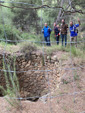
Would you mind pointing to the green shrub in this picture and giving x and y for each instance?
(12, 86)
(27, 49)
(65, 81)
(76, 77)
(76, 52)
(30, 36)
(24, 36)
(52, 36)
(73, 51)
(11, 32)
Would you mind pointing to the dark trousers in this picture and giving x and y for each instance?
(57, 39)
(47, 40)
(64, 37)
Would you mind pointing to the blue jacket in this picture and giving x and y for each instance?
(46, 31)
(72, 30)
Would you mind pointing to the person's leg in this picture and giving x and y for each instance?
(48, 41)
(57, 40)
(76, 41)
(62, 37)
(72, 40)
(65, 36)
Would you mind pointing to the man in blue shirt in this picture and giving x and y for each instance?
(47, 31)
(74, 32)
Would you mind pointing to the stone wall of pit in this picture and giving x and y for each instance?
(31, 72)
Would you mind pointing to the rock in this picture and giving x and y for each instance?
(28, 64)
(55, 58)
(44, 98)
(48, 57)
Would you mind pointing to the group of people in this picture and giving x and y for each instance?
(61, 31)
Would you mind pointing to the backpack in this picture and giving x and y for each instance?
(75, 30)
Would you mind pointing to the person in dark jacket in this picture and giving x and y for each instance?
(57, 33)
(54, 25)
(64, 28)
(47, 31)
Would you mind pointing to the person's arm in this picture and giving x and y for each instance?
(59, 29)
(67, 25)
(77, 25)
(79, 22)
(49, 29)
(43, 30)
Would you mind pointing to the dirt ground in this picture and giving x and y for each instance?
(64, 104)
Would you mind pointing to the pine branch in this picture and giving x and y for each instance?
(45, 6)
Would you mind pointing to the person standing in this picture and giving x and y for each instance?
(74, 32)
(57, 33)
(47, 31)
(64, 28)
(54, 25)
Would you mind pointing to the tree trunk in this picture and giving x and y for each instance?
(60, 11)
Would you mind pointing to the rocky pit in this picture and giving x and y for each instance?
(34, 73)
(37, 77)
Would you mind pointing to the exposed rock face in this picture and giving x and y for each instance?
(31, 72)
